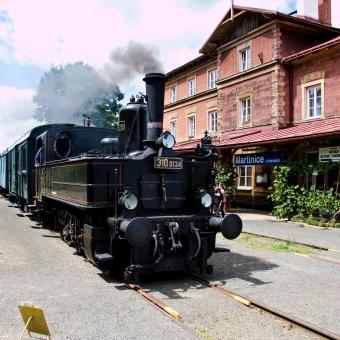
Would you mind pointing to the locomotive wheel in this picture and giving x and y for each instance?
(66, 233)
(131, 276)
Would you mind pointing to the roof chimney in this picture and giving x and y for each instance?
(315, 10)
(325, 14)
(308, 9)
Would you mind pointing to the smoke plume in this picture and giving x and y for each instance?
(135, 59)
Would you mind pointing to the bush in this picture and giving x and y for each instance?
(226, 176)
(298, 204)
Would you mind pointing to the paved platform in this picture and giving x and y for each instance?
(264, 224)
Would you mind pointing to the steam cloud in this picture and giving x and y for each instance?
(135, 59)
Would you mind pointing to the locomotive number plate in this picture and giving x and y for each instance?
(168, 163)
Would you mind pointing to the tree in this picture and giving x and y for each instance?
(67, 92)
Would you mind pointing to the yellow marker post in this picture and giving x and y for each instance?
(34, 320)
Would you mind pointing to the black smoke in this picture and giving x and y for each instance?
(131, 61)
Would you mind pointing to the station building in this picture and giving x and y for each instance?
(267, 89)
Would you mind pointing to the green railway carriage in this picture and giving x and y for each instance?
(4, 172)
(18, 176)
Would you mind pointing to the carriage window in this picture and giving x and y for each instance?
(62, 145)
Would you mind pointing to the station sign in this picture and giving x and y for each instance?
(263, 158)
(329, 154)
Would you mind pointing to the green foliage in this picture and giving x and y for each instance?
(297, 203)
(105, 113)
(67, 92)
(287, 199)
(262, 243)
(226, 177)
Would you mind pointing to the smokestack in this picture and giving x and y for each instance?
(155, 86)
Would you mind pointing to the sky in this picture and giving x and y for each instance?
(38, 34)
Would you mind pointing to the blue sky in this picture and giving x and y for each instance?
(36, 34)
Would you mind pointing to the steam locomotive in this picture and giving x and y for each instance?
(123, 198)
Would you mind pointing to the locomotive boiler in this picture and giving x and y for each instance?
(131, 204)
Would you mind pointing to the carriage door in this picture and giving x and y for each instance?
(22, 171)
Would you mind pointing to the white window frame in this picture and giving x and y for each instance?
(191, 87)
(173, 94)
(191, 128)
(315, 108)
(212, 121)
(245, 111)
(320, 83)
(212, 78)
(244, 185)
(245, 59)
(173, 127)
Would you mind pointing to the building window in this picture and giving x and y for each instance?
(191, 87)
(312, 96)
(173, 128)
(173, 94)
(314, 101)
(191, 126)
(245, 62)
(245, 112)
(212, 121)
(212, 79)
(245, 177)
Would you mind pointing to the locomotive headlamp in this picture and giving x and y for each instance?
(129, 201)
(167, 140)
(205, 198)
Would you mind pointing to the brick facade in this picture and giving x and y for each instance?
(273, 89)
(326, 69)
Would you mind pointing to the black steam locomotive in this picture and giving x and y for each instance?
(124, 198)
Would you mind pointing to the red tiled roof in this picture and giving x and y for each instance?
(303, 131)
(311, 50)
(307, 130)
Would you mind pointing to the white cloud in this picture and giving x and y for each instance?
(16, 114)
(45, 32)
(49, 32)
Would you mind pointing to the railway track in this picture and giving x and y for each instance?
(264, 307)
(249, 302)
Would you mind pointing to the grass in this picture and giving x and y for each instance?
(203, 333)
(262, 243)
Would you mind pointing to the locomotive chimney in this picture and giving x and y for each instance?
(155, 86)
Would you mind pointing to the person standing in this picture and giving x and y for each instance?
(218, 201)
